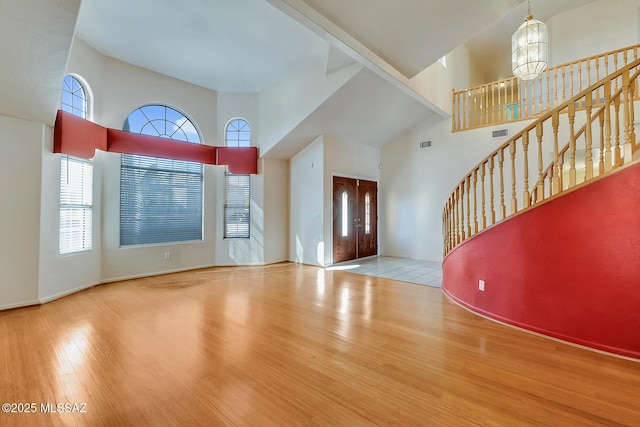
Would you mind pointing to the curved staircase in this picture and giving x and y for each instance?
(544, 233)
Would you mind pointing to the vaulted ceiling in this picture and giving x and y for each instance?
(249, 45)
(252, 45)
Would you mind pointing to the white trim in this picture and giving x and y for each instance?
(19, 305)
(66, 293)
(155, 273)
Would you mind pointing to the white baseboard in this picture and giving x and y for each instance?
(155, 273)
(62, 294)
(19, 305)
(53, 297)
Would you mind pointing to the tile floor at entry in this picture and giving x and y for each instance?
(403, 269)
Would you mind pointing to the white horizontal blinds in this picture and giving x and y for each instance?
(76, 182)
(160, 199)
(236, 205)
(76, 205)
(237, 188)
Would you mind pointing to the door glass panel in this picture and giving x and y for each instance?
(345, 213)
(367, 213)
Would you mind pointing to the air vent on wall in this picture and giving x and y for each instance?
(425, 144)
(500, 133)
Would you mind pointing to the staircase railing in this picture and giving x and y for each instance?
(512, 99)
(605, 139)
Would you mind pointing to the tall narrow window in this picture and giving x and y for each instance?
(367, 213)
(76, 181)
(344, 202)
(237, 188)
(160, 199)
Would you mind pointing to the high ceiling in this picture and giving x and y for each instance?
(225, 45)
(412, 34)
(248, 45)
(491, 47)
(252, 45)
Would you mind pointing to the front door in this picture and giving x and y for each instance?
(355, 218)
(367, 217)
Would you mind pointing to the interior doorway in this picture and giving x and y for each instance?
(355, 218)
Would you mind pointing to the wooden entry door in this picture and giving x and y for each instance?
(355, 218)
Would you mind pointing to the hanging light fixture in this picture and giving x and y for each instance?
(529, 48)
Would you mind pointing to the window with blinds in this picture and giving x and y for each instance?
(161, 200)
(76, 181)
(237, 188)
(76, 205)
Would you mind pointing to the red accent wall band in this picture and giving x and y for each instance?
(78, 137)
(119, 141)
(569, 269)
(241, 160)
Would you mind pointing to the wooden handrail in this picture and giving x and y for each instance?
(549, 170)
(615, 142)
(511, 100)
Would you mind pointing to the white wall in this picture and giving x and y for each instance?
(306, 195)
(20, 165)
(416, 183)
(436, 81)
(311, 199)
(276, 210)
(64, 274)
(284, 106)
(594, 28)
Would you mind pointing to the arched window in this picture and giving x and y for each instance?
(76, 180)
(160, 199)
(74, 97)
(237, 188)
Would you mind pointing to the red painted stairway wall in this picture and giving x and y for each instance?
(569, 268)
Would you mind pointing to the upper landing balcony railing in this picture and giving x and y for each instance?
(511, 99)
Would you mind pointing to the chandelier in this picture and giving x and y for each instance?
(529, 48)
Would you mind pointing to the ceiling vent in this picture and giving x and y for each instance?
(425, 144)
(500, 133)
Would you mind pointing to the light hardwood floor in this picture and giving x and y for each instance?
(296, 345)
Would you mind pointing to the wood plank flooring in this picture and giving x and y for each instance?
(295, 345)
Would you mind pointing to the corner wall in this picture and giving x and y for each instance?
(311, 183)
(416, 183)
(306, 219)
(20, 174)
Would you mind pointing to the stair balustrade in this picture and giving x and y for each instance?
(597, 129)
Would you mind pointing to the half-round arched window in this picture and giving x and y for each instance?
(238, 133)
(74, 97)
(160, 199)
(162, 121)
(237, 188)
